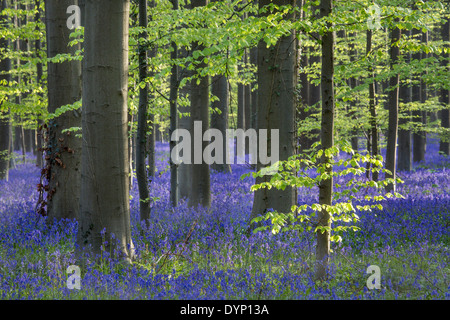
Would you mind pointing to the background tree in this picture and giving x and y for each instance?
(5, 78)
(444, 145)
(141, 136)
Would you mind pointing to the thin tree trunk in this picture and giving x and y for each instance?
(5, 125)
(372, 107)
(105, 209)
(173, 119)
(151, 139)
(327, 140)
(141, 137)
(353, 82)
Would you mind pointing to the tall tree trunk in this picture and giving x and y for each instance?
(151, 139)
(141, 136)
(277, 101)
(105, 209)
(420, 137)
(406, 95)
(353, 82)
(5, 125)
(327, 141)
(200, 188)
(173, 119)
(444, 145)
(184, 169)
(63, 150)
(391, 149)
(219, 121)
(254, 93)
(373, 134)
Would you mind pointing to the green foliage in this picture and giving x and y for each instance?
(307, 171)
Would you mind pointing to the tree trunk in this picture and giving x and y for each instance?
(220, 120)
(353, 82)
(327, 141)
(254, 94)
(277, 101)
(141, 136)
(151, 139)
(373, 134)
(184, 169)
(173, 119)
(105, 207)
(444, 145)
(406, 94)
(420, 137)
(200, 188)
(391, 149)
(5, 125)
(63, 150)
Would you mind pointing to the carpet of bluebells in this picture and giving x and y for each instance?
(206, 254)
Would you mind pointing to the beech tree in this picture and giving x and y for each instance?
(277, 101)
(5, 125)
(200, 193)
(327, 141)
(63, 150)
(105, 208)
(444, 145)
(141, 136)
(392, 132)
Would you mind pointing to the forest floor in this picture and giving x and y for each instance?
(409, 240)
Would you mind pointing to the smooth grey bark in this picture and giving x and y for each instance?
(444, 144)
(420, 137)
(184, 170)
(327, 141)
(277, 101)
(219, 88)
(63, 150)
(141, 134)
(406, 95)
(105, 207)
(174, 84)
(5, 124)
(200, 193)
(392, 132)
